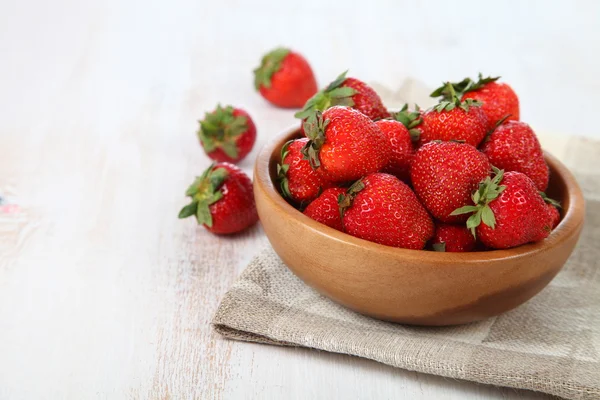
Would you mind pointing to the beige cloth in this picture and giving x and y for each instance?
(549, 344)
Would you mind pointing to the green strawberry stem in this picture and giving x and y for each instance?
(269, 64)
(345, 200)
(204, 192)
(488, 191)
(549, 200)
(496, 125)
(410, 119)
(333, 95)
(454, 101)
(314, 128)
(282, 170)
(462, 87)
(220, 129)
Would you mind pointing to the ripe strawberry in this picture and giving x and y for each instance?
(444, 174)
(344, 144)
(452, 238)
(554, 215)
(512, 211)
(381, 208)
(222, 200)
(227, 134)
(297, 180)
(349, 92)
(324, 209)
(454, 119)
(513, 146)
(553, 207)
(401, 148)
(498, 99)
(285, 78)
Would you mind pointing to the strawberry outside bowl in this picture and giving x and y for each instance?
(415, 287)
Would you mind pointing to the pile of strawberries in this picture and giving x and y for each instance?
(463, 175)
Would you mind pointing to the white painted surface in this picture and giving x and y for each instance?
(103, 292)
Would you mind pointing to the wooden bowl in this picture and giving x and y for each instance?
(413, 286)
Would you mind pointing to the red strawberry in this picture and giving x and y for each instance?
(325, 210)
(297, 180)
(349, 92)
(285, 79)
(381, 208)
(401, 147)
(499, 100)
(227, 134)
(444, 174)
(222, 200)
(508, 212)
(553, 207)
(452, 238)
(513, 146)
(554, 215)
(344, 144)
(454, 120)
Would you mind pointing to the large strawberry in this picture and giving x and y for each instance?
(381, 208)
(298, 181)
(344, 144)
(508, 212)
(349, 92)
(401, 146)
(514, 146)
(452, 238)
(222, 200)
(444, 174)
(499, 99)
(325, 209)
(285, 78)
(227, 134)
(454, 119)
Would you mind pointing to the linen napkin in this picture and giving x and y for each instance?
(550, 344)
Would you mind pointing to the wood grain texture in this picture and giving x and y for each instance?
(103, 292)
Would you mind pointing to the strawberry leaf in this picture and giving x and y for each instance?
(549, 200)
(188, 210)
(269, 65)
(464, 210)
(221, 129)
(204, 191)
(487, 216)
(333, 95)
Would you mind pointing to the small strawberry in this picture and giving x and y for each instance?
(401, 146)
(454, 119)
(349, 92)
(508, 212)
(222, 200)
(344, 144)
(381, 208)
(324, 209)
(227, 134)
(498, 98)
(514, 146)
(553, 207)
(452, 238)
(444, 174)
(298, 181)
(285, 78)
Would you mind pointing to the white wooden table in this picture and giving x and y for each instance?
(103, 292)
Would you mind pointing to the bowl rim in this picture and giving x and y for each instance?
(570, 224)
